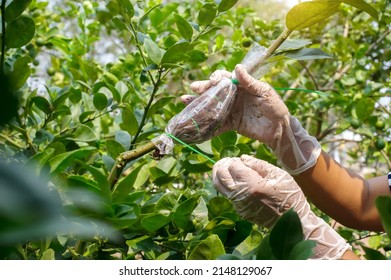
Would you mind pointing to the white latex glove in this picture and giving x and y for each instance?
(260, 113)
(261, 193)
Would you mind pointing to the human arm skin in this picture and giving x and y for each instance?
(349, 255)
(343, 194)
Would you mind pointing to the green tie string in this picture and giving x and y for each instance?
(191, 148)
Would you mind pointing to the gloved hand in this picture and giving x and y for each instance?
(259, 113)
(261, 193)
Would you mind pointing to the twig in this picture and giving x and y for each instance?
(272, 48)
(146, 110)
(11, 142)
(385, 156)
(126, 157)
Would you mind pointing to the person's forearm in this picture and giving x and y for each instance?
(349, 255)
(342, 194)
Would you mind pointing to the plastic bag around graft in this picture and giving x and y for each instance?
(199, 120)
(254, 62)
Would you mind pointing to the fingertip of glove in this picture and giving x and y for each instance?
(248, 160)
(221, 164)
(187, 98)
(200, 86)
(260, 166)
(224, 162)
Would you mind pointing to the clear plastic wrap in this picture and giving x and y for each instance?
(198, 121)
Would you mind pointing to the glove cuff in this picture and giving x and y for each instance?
(329, 244)
(296, 150)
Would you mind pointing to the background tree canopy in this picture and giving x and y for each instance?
(86, 85)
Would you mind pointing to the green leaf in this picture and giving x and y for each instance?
(207, 14)
(61, 110)
(61, 162)
(364, 108)
(196, 164)
(129, 121)
(285, 234)
(159, 104)
(307, 14)
(119, 23)
(383, 204)
(308, 54)
(219, 205)
(142, 177)
(225, 5)
(153, 51)
(176, 53)
(122, 89)
(20, 32)
(248, 246)
(292, 44)
(86, 116)
(375, 241)
(39, 160)
(127, 8)
(184, 27)
(101, 178)
(166, 204)
(229, 257)
(42, 103)
(183, 212)
(20, 72)
(208, 249)
(100, 101)
(197, 56)
(75, 95)
(60, 100)
(123, 138)
(225, 139)
(241, 231)
(371, 254)
(144, 243)
(112, 91)
(83, 133)
(15, 8)
(302, 250)
(155, 221)
(114, 148)
(126, 215)
(49, 254)
(82, 182)
(265, 251)
(231, 151)
(363, 6)
(133, 181)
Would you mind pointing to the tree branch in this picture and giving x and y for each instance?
(126, 157)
